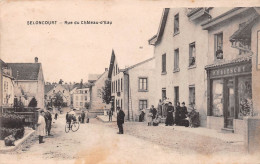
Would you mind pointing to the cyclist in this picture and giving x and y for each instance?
(71, 116)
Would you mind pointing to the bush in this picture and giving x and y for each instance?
(16, 132)
(11, 121)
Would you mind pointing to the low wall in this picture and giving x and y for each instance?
(215, 122)
(252, 134)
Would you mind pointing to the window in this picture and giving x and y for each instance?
(176, 60)
(176, 24)
(163, 93)
(116, 69)
(86, 91)
(63, 91)
(191, 96)
(142, 104)
(164, 63)
(86, 98)
(219, 46)
(244, 96)
(121, 84)
(81, 103)
(217, 98)
(142, 84)
(118, 85)
(192, 54)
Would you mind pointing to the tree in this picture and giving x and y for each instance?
(58, 101)
(61, 81)
(106, 92)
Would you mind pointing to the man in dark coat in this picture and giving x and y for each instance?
(169, 117)
(48, 120)
(178, 114)
(82, 117)
(154, 111)
(120, 120)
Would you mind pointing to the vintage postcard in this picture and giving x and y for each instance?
(109, 81)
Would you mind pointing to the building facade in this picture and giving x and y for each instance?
(233, 75)
(96, 92)
(58, 89)
(132, 88)
(81, 98)
(29, 82)
(6, 86)
(180, 49)
(209, 57)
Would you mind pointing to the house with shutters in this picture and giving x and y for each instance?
(132, 88)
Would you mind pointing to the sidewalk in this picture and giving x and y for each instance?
(228, 137)
(105, 119)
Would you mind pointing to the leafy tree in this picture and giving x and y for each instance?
(61, 81)
(106, 92)
(58, 101)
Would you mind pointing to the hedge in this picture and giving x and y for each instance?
(18, 133)
(11, 121)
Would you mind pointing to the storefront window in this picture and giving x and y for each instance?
(244, 96)
(217, 98)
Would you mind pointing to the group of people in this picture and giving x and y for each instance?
(178, 115)
(44, 124)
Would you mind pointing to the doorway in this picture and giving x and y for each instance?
(229, 103)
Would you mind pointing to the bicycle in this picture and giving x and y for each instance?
(74, 126)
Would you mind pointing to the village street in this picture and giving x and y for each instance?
(97, 142)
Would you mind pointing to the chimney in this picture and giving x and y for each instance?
(36, 59)
(106, 69)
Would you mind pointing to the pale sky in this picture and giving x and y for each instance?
(71, 52)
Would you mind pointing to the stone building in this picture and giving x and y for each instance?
(29, 82)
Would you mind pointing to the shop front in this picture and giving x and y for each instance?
(229, 94)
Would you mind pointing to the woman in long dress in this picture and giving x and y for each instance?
(41, 127)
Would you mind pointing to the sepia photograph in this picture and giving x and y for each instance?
(136, 82)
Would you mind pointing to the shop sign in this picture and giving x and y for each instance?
(234, 70)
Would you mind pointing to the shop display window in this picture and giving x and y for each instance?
(217, 98)
(244, 96)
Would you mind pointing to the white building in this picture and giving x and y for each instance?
(61, 90)
(132, 88)
(81, 98)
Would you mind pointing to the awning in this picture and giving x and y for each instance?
(244, 32)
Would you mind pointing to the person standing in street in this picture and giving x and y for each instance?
(154, 111)
(178, 114)
(169, 117)
(83, 117)
(120, 120)
(150, 117)
(48, 121)
(41, 127)
(160, 107)
(110, 114)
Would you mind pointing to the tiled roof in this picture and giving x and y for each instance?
(25, 71)
(228, 62)
(47, 88)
